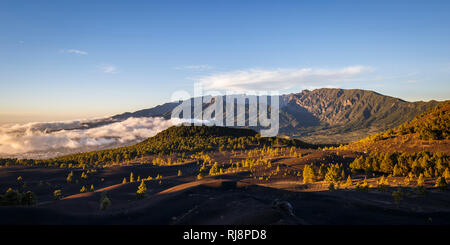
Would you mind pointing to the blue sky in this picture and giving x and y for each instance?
(77, 59)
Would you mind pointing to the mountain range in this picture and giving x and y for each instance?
(327, 115)
(320, 116)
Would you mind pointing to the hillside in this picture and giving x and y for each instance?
(176, 139)
(429, 131)
(182, 139)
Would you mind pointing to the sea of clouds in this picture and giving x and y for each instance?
(43, 140)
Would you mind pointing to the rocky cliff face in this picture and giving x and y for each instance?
(344, 114)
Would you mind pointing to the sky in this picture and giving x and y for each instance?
(64, 60)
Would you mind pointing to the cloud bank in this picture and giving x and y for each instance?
(276, 79)
(21, 140)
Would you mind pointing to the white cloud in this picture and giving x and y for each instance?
(282, 78)
(41, 139)
(194, 67)
(75, 51)
(108, 69)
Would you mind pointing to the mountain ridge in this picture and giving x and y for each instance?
(328, 115)
(348, 114)
(428, 131)
(320, 116)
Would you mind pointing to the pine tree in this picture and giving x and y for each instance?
(441, 183)
(92, 188)
(397, 171)
(349, 181)
(142, 189)
(333, 174)
(446, 173)
(410, 176)
(322, 172)
(179, 173)
(363, 187)
(83, 175)
(308, 174)
(83, 189)
(124, 181)
(131, 177)
(57, 194)
(214, 169)
(420, 181)
(365, 184)
(387, 164)
(380, 182)
(69, 178)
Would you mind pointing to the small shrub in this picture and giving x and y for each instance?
(363, 187)
(200, 176)
(104, 201)
(11, 197)
(421, 190)
(383, 183)
(57, 194)
(331, 187)
(14, 197)
(398, 196)
(28, 198)
(84, 175)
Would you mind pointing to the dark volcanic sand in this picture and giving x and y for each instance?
(223, 199)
